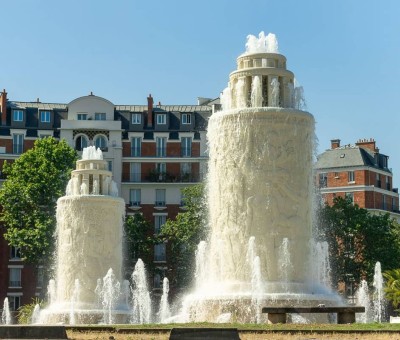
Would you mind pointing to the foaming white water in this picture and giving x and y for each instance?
(378, 295)
(165, 312)
(89, 243)
(363, 299)
(141, 303)
(92, 153)
(6, 314)
(110, 294)
(264, 43)
(35, 318)
(259, 195)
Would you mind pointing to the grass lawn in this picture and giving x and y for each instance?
(383, 331)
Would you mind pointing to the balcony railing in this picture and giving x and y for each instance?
(159, 203)
(162, 177)
(15, 284)
(134, 203)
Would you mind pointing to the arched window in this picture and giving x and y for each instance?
(81, 142)
(101, 142)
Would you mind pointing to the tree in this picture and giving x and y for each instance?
(184, 234)
(139, 239)
(358, 239)
(392, 286)
(28, 196)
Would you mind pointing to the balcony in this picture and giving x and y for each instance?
(162, 177)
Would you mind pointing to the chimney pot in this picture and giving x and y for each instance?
(335, 143)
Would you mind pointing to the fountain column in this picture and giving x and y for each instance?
(89, 234)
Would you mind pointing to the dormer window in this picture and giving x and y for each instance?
(82, 116)
(161, 118)
(45, 116)
(100, 116)
(136, 118)
(18, 115)
(186, 118)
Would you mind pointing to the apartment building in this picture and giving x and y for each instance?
(152, 150)
(360, 172)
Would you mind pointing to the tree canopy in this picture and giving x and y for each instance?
(28, 196)
(184, 234)
(358, 239)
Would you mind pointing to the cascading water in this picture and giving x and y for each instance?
(6, 314)
(322, 269)
(89, 243)
(259, 185)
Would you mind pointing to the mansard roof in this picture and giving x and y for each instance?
(351, 156)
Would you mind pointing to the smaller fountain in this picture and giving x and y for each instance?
(141, 303)
(110, 293)
(378, 301)
(165, 312)
(35, 317)
(362, 298)
(6, 314)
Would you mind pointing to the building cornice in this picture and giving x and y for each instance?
(357, 188)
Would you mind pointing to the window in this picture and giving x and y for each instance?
(160, 198)
(135, 172)
(350, 196)
(384, 202)
(39, 277)
(45, 116)
(323, 180)
(81, 143)
(101, 143)
(161, 118)
(159, 221)
(82, 116)
(160, 252)
(394, 208)
(186, 118)
(186, 170)
(14, 302)
(15, 277)
(18, 115)
(186, 146)
(135, 197)
(387, 183)
(100, 116)
(109, 165)
(157, 281)
(350, 176)
(336, 175)
(18, 143)
(136, 147)
(161, 143)
(161, 172)
(378, 180)
(15, 253)
(136, 118)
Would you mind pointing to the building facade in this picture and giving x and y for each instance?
(153, 151)
(359, 172)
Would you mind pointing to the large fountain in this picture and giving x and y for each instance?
(260, 195)
(89, 242)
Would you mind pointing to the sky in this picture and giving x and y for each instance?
(345, 53)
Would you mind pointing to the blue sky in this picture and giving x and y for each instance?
(345, 53)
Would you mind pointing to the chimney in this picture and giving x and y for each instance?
(335, 143)
(3, 107)
(150, 102)
(367, 144)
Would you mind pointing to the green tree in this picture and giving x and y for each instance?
(358, 239)
(139, 240)
(392, 286)
(28, 196)
(184, 234)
